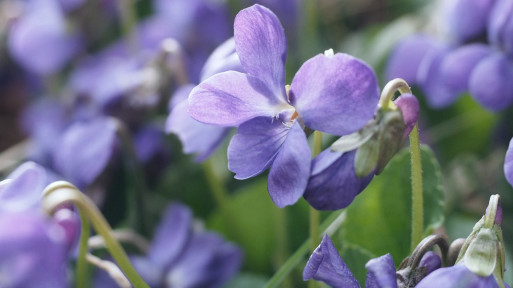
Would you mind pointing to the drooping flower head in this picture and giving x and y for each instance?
(333, 93)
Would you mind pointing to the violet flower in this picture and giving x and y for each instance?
(196, 137)
(323, 96)
(457, 276)
(40, 39)
(326, 265)
(180, 256)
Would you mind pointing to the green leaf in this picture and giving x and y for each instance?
(379, 219)
(355, 258)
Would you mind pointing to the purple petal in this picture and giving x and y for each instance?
(508, 163)
(289, 173)
(405, 60)
(335, 94)
(171, 236)
(39, 40)
(148, 141)
(457, 66)
(430, 79)
(255, 146)
(381, 272)
(152, 274)
(409, 106)
(500, 26)
(23, 192)
(333, 182)
(85, 149)
(431, 261)
(207, 261)
(231, 98)
(456, 276)
(196, 137)
(490, 82)
(70, 224)
(326, 265)
(468, 18)
(224, 58)
(262, 47)
(32, 251)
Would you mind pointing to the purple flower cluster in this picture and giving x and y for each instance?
(332, 93)
(181, 255)
(477, 59)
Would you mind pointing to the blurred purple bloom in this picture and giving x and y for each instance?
(85, 149)
(490, 82)
(468, 18)
(40, 39)
(21, 191)
(457, 276)
(196, 137)
(182, 257)
(32, 251)
(500, 26)
(508, 163)
(270, 120)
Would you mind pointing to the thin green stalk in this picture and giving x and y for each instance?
(417, 206)
(128, 22)
(61, 192)
(220, 196)
(315, 216)
(135, 201)
(281, 240)
(417, 200)
(82, 277)
(329, 226)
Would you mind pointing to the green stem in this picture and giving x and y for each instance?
(417, 200)
(329, 226)
(62, 192)
(82, 277)
(417, 205)
(135, 201)
(220, 196)
(128, 21)
(281, 248)
(314, 214)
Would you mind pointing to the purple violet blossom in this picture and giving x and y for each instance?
(457, 276)
(40, 39)
(180, 256)
(196, 137)
(326, 265)
(323, 96)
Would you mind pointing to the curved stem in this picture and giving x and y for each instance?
(417, 205)
(425, 245)
(62, 192)
(82, 277)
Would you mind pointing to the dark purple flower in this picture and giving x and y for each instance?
(180, 256)
(457, 276)
(32, 251)
(40, 39)
(323, 96)
(468, 18)
(508, 163)
(381, 272)
(85, 149)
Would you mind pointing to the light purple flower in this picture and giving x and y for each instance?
(180, 256)
(196, 137)
(323, 96)
(32, 251)
(85, 149)
(40, 40)
(500, 26)
(468, 18)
